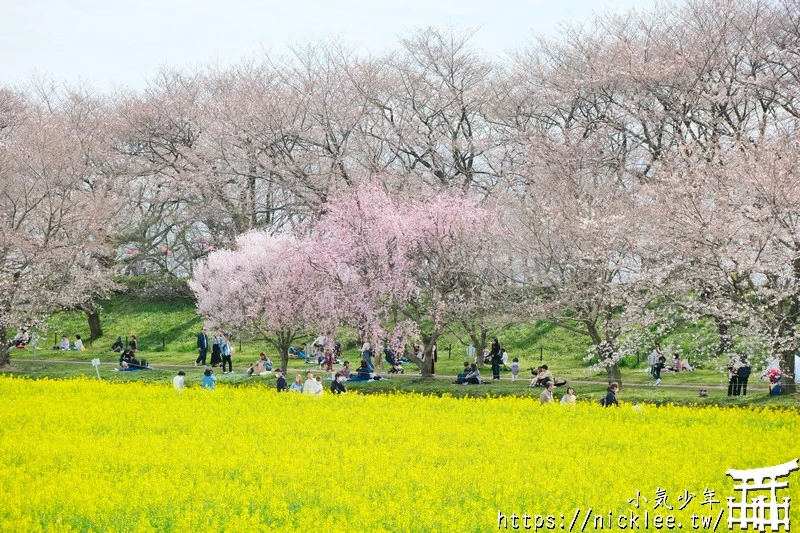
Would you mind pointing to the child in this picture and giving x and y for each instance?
(177, 381)
(515, 369)
(319, 386)
(209, 379)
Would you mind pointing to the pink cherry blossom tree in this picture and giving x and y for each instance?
(265, 286)
(406, 268)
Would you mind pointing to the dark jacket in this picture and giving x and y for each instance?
(337, 388)
(610, 399)
(202, 341)
(281, 384)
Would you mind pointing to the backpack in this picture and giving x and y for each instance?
(603, 401)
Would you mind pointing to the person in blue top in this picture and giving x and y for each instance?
(209, 379)
(202, 348)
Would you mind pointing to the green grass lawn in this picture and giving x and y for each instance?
(167, 328)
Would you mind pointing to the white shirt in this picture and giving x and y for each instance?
(177, 382)
(310, 387)
(79, 344)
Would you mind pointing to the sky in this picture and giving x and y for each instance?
(109, 44)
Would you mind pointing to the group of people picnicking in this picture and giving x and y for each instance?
(657, 362)
(325, 352)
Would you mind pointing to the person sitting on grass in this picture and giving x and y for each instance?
(462, 376)
(474, 376)
(78, 346)
(542, 376)
(363, 372)
(345, 371)
(261, 367)
(117, 346)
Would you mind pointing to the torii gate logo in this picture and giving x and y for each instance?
(760, 512)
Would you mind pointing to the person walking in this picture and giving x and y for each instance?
(202, 348)
(611, 396)
(227, 353)
(216, 350)
(495, 353)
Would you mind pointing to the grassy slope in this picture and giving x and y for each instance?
(166, 331)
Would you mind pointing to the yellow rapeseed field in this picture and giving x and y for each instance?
(82, 455)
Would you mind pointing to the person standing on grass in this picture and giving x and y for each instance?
(297, 386)
(178, 381)
(515, 369)
(216, 351)
(495, 354)
(202, 348)
(310, 384)
(227, 354)
(734, 387)
(743, 373)
(134, 344)
(656, 361)
(281, 383)
(547, 394)
(611, 396)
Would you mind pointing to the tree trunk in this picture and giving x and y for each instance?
(5, 360)
(789, 327)
(95, 327)
(614, 374)
(480, 344)
(788, 372)
(723, 330)
(284, 359)
(605, 349)
(282, 341)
